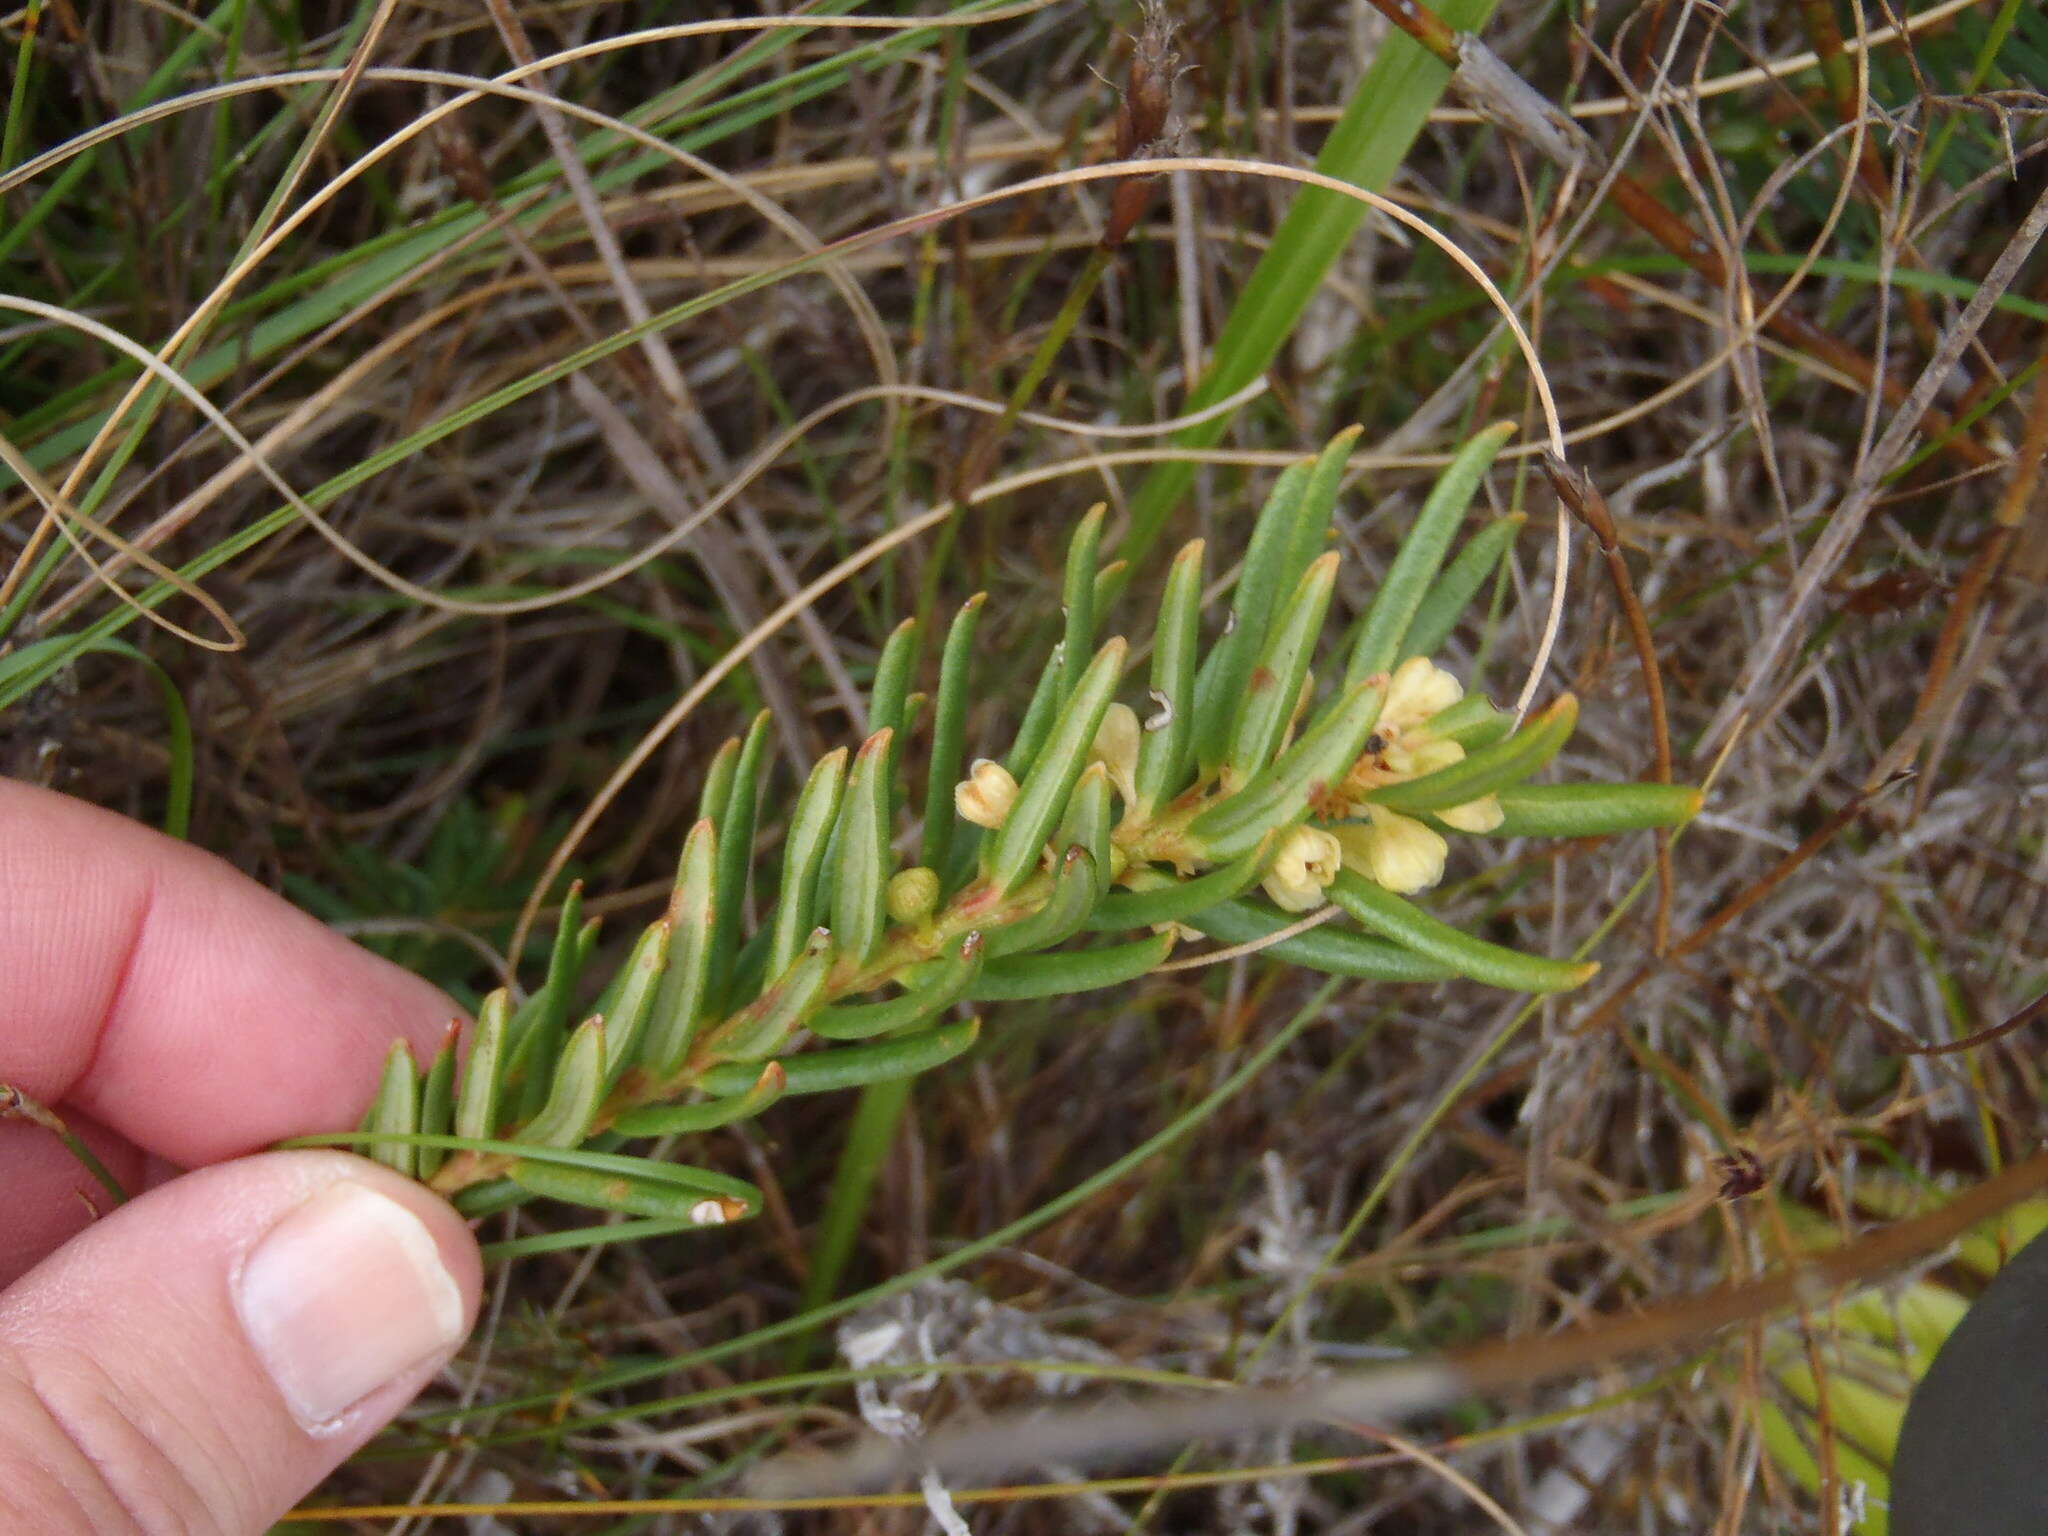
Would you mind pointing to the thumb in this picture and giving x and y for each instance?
(201, 1357)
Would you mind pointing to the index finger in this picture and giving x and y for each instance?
(175, 1000)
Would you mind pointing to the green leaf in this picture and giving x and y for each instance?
(1168, 899)
(1274, 686)
(629, 997)
(1489, 769)
(861, 860)
(1472, 722)
(1069, 970)
(1330, 949)
(643, 1191)
(1090, 819)
(437, 1105)
(1280, 795)
(1407, 924)
(1452, 593)
(949, 735)
(546, 1012)
(853, 1066)
(476, 1105)
(1042, 797)
(736, 857)
(892, 678)
(677, 1119)
(1078, 596)
(692, 918)
(1591, 810)
(1309, 527)
(1074, 891)
(715, 799)
(803, 854)
(396, 1108)
(759, 1029)
(937, 987)
(1163, 751)
(1415, 566)
(576, 1092)
(1039, 715)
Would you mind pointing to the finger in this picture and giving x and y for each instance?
(173, 999)
(50, 1197)
(201, 1358)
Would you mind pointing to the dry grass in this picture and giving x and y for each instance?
(1834, 602)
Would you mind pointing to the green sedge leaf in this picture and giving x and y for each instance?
(396, 1107)
(476, 1104)
(1451, 593)
(648, 1189)
(949, 735)
(1489, 769)
(1472, 722)
(692, 920)
(855, 1066)
(1274, 686)
(1075, 889)
(937, 988)
(1421, 555)
(628, 999)
(437, 1104)
(1592, 810)
(1407, 924)
(803, 855)
(1164, 748)
(1039, 715)
(1167, 899)
(1332, 950)
(862, 862)
(680, 1119)
(1070, 970)
(1078, 596)
(1042, 797)
(575, 1093)
(1280, 795)
(736, 856)
(759, 1029)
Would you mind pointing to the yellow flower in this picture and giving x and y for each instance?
(1393, 850)
(1481, 815)
(985, 796)
(1418, 689)
(1401, 747)
(1308, 860)
(1116, 746)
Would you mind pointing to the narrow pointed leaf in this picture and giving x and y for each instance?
(1592, 810)
(547, 1009)
(736, 856)
(626, 1002)
(1280, 795)
(1332, 950)
(677, 1119)
(1090, 819)
(1078, 597)
(1275, 683)
(715, 799)
(574, 1094)
(692, 918)
(1490, 768)
(855, 1066)
(892, 678)
(861, 861)
(1407, 924)
(1421, 555)
(1069, 971)
(1452, 592)
(759, 1029)
(1166, 899)
(1042, 797)
(396, 1108)
(1309, 527)
(941, 985)
(803, 854)
(1163, 751)
(476, 1104)
(437, 1105)
(1039, 716)
(1472, 722)
(640, 1187)
(949, 736)
(1075, 889)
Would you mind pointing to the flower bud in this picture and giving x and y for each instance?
(985, 796)
(1394, 851)
(913, 894)
(1116, 747)
(1308, 860)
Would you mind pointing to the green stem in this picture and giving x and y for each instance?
(868, 1139)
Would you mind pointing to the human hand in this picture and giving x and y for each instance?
(199, 1358)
